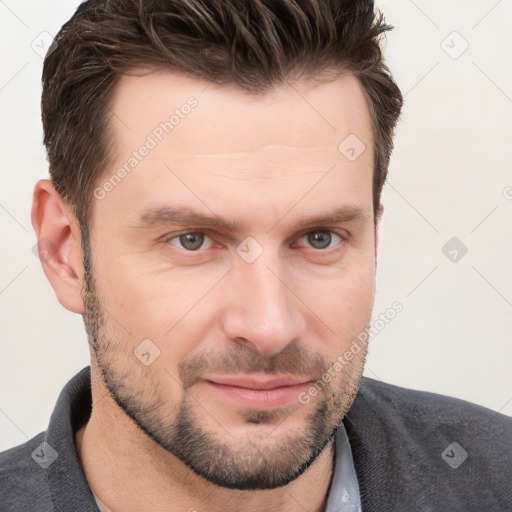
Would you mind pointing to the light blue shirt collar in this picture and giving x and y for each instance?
(344, 494)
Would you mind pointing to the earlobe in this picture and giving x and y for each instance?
(59, 245)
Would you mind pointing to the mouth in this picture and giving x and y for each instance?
(257, 392)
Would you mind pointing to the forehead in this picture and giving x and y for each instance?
(222, 144)
(306, 114)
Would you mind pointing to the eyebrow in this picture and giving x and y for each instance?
(184, 216)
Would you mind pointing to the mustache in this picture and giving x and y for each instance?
(294, 359)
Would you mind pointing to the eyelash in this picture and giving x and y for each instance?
(342, 237)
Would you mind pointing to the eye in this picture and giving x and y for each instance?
(191, 241)
(321, 239)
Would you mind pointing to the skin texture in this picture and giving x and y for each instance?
(159, 433)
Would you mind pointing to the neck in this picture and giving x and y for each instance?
(128, 472)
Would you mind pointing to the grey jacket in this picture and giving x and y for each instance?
(413, 451)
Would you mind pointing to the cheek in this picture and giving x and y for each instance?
(343, 302)
(344, 305)
(164, 307)
(142, 287)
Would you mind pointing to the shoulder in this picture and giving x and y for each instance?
(23, 482)
(434, 451)
(414, 409)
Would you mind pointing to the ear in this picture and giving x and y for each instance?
(59, 244)
(378, 218)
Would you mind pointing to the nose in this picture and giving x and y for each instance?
(262, 309)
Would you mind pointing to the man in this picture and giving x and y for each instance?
(216, 172)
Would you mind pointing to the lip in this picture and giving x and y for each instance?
(258, 392)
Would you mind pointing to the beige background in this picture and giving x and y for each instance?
(451, 176)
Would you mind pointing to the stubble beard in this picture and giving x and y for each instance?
(223, 460)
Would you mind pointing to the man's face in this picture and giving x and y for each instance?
(221, 291)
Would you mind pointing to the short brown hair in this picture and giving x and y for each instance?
(253, 44)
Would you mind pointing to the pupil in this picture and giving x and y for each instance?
(319, 239)
(192, 241)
